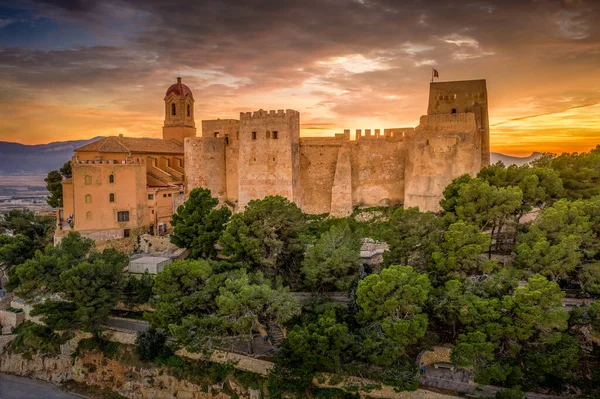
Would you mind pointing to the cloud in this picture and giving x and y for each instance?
(342, 64)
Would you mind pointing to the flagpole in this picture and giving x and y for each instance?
(431, 74)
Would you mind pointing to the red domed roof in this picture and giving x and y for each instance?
(180, 89)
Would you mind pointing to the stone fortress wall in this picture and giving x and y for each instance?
(263, 154)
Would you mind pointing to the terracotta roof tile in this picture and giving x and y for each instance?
(133, 145)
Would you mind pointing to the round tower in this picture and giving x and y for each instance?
(179, 113)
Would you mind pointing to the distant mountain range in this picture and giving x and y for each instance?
(508, 160)
(39, 159)
(21, 159)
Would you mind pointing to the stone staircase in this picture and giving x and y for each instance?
(275, 334)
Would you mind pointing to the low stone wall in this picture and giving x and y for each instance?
(19, 303)
(10, 318)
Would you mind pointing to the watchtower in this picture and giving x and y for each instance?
(269, 161)
(463, 97)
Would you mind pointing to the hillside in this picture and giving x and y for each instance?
(22, 159)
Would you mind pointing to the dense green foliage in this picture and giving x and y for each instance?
(199, 223)
(39, 229)
(54, 184)
(332, 263)
(150, 344)
(88, 283)
(267, 236)
(488, 274)
(199, 306)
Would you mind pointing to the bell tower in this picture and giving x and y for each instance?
(179, 113)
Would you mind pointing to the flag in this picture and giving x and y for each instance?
(435, 73)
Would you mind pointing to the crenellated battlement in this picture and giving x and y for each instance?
(260, 114)
(395, 134)
(462, 120)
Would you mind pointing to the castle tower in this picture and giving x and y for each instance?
(179, 113)
(463, 97)
(269, 158)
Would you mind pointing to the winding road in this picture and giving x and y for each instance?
(12, 387)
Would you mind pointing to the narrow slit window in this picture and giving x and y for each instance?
(173, 109)
(111, 178)
(88, 199)
(189, 110)
(253, 135)
(111, 197)
(275, 135)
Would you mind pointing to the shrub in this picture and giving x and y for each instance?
(150, 344)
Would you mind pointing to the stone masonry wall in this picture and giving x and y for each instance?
(318, 161)
(378, 171)
(442, 148)
(269, 158)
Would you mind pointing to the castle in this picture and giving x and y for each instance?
(123, 186)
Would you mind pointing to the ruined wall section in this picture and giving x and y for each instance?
(269, 156)
(468, 96)
(378, 164)
(440, 149)
(229, 130)
(318, 162)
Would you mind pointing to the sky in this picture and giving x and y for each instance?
(76, 69)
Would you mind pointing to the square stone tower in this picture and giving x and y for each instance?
(466, 96)
(269, 162)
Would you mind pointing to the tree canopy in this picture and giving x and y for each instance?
(199, 223)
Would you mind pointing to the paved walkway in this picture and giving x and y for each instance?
(12, 387)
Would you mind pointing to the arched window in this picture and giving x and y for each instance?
(111, 178)
(88, 179)
(453, 110)
(88, 199)
(189, 110)
(111, 197)
(88, 215)
(173, 109)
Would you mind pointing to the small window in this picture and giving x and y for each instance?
(88, 179)
(153, 211)
(170, 195)
(126, 233)
(275, 135)
(453, 110)
(273, 158)
(164, 195)
(150, 196)
(253, 135)
(189, 110)
(173, 109)
(455, 96)
(226, 140)
(216, 134)
(268, 135)
(88, 199)
(111, 178)
(123, 216)
(88, 215)
(111, 197)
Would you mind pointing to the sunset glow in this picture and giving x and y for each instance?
(79, 69)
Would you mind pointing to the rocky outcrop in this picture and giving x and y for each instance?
(130, 381)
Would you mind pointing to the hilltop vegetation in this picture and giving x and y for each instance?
(487, 274)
